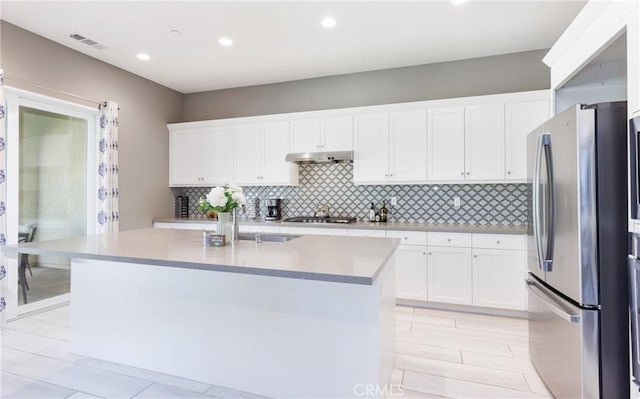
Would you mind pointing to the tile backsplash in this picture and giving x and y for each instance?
(332, 184)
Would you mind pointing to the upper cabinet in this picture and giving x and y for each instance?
(465, 140)
(326, 134)
(370, 146)
(390, 147)
(195, 158)
(520, 119)
(446, 143)
(484, 142)
(260, 152)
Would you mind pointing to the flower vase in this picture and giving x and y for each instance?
(225, 226)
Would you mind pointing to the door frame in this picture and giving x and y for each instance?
(15, 98)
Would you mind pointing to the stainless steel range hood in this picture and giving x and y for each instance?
(320, 157)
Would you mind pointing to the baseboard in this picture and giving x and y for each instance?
(521, 314)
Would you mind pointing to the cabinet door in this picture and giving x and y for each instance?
(449, 275)
(498, 279)
(305, 135)
(371, 148)
(217, 156)
(445, 134)
(276, 170)
(337, 134)
(520, 119)
(248, 154)
(185, 158)
(411, 272)
(484, 142)
(408, 146)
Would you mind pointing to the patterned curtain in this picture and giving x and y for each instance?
(108, 216)
(3, 213)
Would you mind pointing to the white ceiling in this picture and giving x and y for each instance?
(280, 41)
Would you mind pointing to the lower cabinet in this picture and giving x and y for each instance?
(498, 279)
(411, 272)
(449, 276)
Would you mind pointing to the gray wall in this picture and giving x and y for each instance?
(478, 76)
(145, 109)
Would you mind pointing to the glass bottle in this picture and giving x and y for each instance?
(384, 212)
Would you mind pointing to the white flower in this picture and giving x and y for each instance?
(234, 189)
(239, 198)
(216, 197)
(225, 182)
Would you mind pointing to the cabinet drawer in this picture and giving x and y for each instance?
(366, 233)
(498, 241)
(409, 237)
(449, 239)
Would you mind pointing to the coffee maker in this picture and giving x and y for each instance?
(274, 212)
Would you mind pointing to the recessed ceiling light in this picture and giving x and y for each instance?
(458, 2)
(143, 56)
(328, 22)
(225, 41)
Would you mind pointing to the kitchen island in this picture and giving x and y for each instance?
(311, 317)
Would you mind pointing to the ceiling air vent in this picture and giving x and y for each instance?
(87, 41)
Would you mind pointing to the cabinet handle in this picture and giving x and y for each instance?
(475, 256)
(498, 242)
(406, 238)
(448, 239)
(508, 172)
(424, 253)
(429, 253)
(461, 173)
(467, 173)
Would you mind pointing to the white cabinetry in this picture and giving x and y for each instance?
(390, 147)
(195, 159)
(446, 143)
(326, 134)
(520, 119)
(185, 157)
(411, 264)
(337, 133)
(449, 274)
(484, 142)
(499, 271)
(260, 152)
(371, 152)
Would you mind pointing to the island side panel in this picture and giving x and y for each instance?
(280, 337)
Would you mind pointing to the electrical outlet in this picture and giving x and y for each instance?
(394, 201)
(456, 202)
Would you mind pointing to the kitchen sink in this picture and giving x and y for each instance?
(268, 237)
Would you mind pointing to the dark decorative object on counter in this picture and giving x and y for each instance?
(181, 206)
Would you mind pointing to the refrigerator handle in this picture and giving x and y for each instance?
(536, 203)
(557, 310)
(547, 262)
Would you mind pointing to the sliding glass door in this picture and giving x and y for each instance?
(51, 191)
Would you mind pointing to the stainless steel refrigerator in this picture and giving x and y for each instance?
(577, 252)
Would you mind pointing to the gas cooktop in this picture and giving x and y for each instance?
(314, 219)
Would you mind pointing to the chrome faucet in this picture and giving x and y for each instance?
(236, 228)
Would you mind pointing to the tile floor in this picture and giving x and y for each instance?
(439, 354)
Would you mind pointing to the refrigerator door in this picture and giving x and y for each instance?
(572, 224)
(536, 172)
(634, 309)
(563, 344)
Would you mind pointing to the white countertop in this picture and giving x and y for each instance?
(435, 227)
(351, 260)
